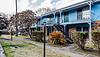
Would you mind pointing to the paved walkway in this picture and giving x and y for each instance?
(69, 50)
(2, 52)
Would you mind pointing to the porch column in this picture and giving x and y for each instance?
(63, 17)
(64, 30)
(90, 29)
(60, 17)
(54, 18)
(82, 29)
(41, 24)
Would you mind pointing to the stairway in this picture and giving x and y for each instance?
(60, 28)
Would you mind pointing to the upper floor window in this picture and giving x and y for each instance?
(66, 17)
(83, 14)
(49, 20)
(79, 14)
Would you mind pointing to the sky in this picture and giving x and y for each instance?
(8, 6)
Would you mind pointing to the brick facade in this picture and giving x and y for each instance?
(97, 25)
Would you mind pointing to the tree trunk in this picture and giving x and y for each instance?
(16, 30)
(29, 33)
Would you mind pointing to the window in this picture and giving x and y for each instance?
(85, 13)
(86, 29)
(66, 18)
(79, 14)
(78, 29)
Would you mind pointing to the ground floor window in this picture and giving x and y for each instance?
(78, 29)
(83, 29)
(86, 29)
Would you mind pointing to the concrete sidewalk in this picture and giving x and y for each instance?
(2, 52)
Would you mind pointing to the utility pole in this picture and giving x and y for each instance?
(16, 18)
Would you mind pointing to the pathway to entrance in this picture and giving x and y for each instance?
(2, 52)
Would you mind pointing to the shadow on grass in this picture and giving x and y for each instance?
(5, 39)
(28, 39)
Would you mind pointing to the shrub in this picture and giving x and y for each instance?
(96, 38)
(56, 37)
(80, 38)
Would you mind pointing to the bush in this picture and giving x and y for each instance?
(56, 37)
(96, 38)
(80, 38)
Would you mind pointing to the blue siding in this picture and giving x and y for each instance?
(96, 12)
(72, 15)
(42, 21)
(46, 20)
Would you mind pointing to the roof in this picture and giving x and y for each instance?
(70, 7)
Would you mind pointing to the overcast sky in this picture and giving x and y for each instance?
(8, 6)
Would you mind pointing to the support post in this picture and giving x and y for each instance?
(44, 37)
(36, 26)
(40, 23)
(60, 16)
(63, 18)
(81, 29)
(90, 30)
(54, 17)
(64, 30)
(16, 18)
(90, 25)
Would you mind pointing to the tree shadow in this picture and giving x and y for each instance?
(28, 39)
(5, 39)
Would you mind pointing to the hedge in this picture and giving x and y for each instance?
(96, 38)
(80, 38)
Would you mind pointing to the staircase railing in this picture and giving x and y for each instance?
(60, 28)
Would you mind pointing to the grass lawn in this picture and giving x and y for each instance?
(24, 48)
(1, 36)
(9, 52)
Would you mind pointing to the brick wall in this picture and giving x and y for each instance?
(71, 30)
(97, 25)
